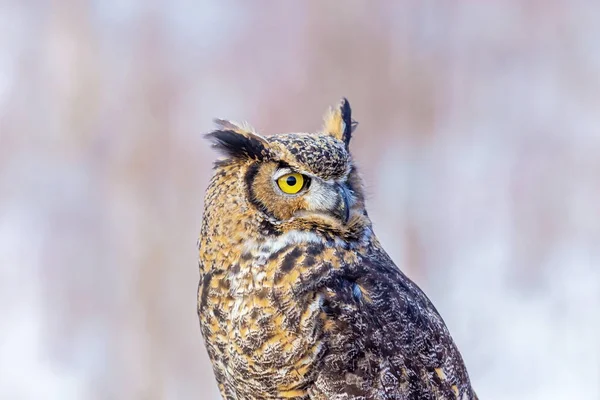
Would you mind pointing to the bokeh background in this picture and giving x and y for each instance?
(479, 140)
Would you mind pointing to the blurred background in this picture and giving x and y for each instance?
(479, 140)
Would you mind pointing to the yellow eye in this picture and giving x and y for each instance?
(291, 183)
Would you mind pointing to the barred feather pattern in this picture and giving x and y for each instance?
(311, 306)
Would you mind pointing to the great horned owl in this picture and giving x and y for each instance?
(297, 298)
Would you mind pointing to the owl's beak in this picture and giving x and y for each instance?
(342, 211)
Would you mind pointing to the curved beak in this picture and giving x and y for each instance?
(342, 209)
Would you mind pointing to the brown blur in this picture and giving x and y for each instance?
(479, 140)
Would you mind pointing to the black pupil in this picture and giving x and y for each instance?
(291, 180)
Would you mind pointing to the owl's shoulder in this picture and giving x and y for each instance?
(385, 338)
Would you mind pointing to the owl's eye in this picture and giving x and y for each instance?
(291, 183)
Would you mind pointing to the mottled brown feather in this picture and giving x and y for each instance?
(294, 301)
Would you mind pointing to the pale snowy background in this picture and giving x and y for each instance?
(479, 138)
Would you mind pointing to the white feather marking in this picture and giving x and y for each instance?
(265, 248)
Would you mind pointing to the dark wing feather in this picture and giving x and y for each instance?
(387, 340)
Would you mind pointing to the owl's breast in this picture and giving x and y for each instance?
(261, 321)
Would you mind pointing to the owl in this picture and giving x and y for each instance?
(297, 298)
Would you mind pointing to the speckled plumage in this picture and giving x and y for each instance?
(297, 299)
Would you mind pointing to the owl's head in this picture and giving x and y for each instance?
(295, 181)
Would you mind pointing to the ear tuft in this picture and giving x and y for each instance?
(243, 127)
(339, 123)
(239, 142)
